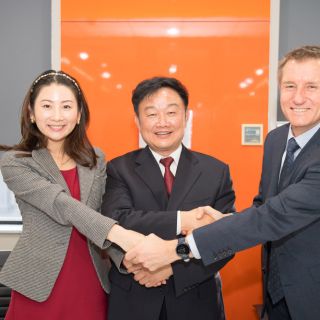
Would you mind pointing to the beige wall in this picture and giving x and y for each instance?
(8, 241)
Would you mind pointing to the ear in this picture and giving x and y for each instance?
(187, 115)
(31, 114)
(137, 122)
(30, 110)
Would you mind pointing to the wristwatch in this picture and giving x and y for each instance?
(183, 249)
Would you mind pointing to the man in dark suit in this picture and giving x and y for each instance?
(144, 193)
(285, 216)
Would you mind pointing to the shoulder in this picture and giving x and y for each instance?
(207, 160)
(15, 157)
(278, 132)
(127, 163)
(101, 161)
(127, 157)
(283, 129)
(100, 154)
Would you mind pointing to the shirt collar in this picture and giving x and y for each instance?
(303, 138)
(175, 155)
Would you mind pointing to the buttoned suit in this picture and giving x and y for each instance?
(289, 218)
(48, 213)
(136, 197)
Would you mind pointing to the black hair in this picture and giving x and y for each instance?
(149, 86)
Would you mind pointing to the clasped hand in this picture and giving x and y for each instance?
(148, 278)
(153, 253)
(198, 217)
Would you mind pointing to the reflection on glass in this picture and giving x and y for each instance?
(259, 72)
(84, 55)
(173, 31)
(9, 210)
(173, 68)
(106, 75)
(243, 85)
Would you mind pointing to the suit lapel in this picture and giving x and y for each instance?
(308, 152)
(276, 156)
(45, 160)
(149, 172)
(86, 178)
(188, 172)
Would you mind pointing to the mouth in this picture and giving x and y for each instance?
(299, 110)
(56, 127)
(163, 133)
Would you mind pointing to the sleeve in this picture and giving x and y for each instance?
(51, 199)
(294, 208)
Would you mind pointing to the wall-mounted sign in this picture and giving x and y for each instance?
(251, 134)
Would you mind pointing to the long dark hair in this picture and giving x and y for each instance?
(76, 145)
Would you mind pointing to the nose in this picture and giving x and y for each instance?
(299, 96)
(57, 114)
(162, 120)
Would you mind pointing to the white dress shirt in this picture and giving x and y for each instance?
(173, 168)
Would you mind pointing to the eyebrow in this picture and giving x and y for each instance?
(169, 105)
(43, 100)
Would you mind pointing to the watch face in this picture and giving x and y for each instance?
(183, 249)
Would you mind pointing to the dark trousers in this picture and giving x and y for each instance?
(163, 313)
(278, 311)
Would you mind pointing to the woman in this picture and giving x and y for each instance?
(56, 270)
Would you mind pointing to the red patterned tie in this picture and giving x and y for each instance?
(168, 176)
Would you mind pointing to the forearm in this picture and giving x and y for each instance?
(161, 223)
(117, 235)
(126, 239)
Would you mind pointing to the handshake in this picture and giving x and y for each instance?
(149, 257)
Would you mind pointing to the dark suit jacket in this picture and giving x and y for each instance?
(136, 197)
(290, 218)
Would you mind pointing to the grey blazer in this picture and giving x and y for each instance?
(48, 213)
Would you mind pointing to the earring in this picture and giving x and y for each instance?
(32, 120)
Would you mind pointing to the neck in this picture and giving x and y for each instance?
(61, 158)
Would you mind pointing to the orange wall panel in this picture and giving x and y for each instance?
(213, 57)
(98, 10)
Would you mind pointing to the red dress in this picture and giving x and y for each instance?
(77, 293)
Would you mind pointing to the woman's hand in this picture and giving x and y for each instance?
(126, 239)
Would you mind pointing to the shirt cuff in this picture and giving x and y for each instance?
(178, 222)
(193, 246)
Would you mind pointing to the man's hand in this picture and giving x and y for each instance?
(194, 219)
(153, 278)
(153, 253)
(146, 277)
(213, 213)
(132, 268)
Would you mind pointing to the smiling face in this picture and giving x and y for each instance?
(55, 113)
(162, 120)
(300, 94)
